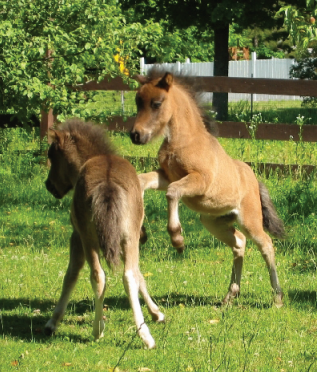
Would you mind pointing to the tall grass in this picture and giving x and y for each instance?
(100, 105)
(199, 334)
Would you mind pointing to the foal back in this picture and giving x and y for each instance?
(112, 208)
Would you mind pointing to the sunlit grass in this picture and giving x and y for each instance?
(199, 334)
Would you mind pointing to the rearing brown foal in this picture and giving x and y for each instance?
(195, 168)
(106, 215)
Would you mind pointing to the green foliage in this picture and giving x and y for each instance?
(301, 23)
(83, 36)
(306, 68)
(264, 52)
(180, 44)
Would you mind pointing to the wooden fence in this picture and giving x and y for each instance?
(264, 131)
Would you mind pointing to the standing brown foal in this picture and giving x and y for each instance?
(106, 214)
(195, 168)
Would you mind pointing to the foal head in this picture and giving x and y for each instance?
(72, 145)
(154, 108)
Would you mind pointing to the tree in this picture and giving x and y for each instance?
(302, 26)
(301, 23)
(207, 15)
(83, 37)
(178, 45)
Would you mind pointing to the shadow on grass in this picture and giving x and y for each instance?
(28, 328)
(303, 297)
(31, 326)
(244, 301)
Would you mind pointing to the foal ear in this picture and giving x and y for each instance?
(142, 79)
(53, 135)
(56, 136)
(166, 82)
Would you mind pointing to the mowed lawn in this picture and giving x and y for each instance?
(199, 333)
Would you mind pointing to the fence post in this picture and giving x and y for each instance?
(142, 65)
(47, 121)
(253, 75)
(47, 116)
(178, 65)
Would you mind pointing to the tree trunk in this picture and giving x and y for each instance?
(221, 68)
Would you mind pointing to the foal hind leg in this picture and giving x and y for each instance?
(251, 224)
(77, 260)
(225, 232)
(98, 282)
(152, 307)
(131, 280)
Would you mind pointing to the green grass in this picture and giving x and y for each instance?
(100, 105)
(283, 152)
(199, 334)
(273, 111)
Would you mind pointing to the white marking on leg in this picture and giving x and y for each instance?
(152, 307)
(234, 211)
(99, 290)
(239, 243)
(132, 289)
(174, 221)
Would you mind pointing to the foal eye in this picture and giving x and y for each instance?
(139, 102)
(156, 105)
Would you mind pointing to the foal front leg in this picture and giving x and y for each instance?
(152, 180)
(77, 260)
(190, 186)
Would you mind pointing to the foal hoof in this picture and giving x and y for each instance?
(146, 337)
(49, 328)
(178, 243)
(48, 331)
(278, 300)
(159, 318)
(180, 249)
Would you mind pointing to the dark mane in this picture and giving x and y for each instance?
(193, 89)
(89, 137)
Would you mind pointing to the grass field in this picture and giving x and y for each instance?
(199, 334)
(103, 104)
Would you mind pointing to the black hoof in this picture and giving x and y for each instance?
(180, 250)
(48, 331)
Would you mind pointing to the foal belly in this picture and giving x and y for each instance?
(204, 205)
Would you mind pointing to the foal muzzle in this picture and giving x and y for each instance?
(138, 138)
(51, 188)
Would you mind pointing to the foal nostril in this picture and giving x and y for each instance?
(135, 137)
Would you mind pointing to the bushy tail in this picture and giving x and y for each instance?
(271, 222)
(107, 218)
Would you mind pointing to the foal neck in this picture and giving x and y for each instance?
(186, 123)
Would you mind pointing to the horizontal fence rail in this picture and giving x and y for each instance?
(223, 84)
(257, 85)
(273, 68)
(239, 130)
(263, 168)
